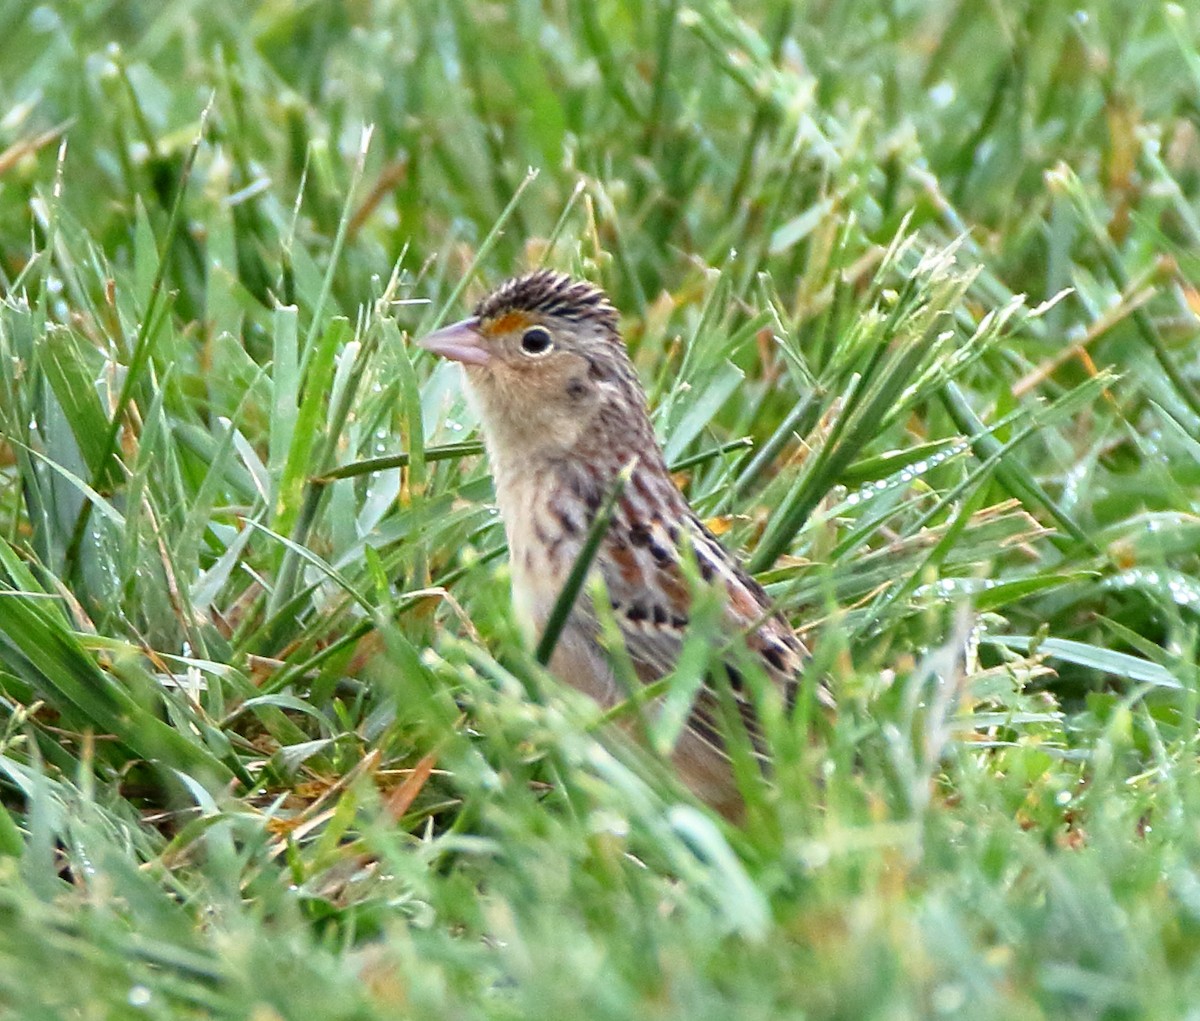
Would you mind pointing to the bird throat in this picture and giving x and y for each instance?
(547, 507)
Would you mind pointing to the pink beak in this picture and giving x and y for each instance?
(460, 343)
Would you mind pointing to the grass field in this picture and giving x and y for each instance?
(915, 291)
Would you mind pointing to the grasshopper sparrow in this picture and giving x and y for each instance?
(562, 414)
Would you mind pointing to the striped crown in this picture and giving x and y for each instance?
(550, 293)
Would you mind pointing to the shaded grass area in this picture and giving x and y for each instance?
(913, 291)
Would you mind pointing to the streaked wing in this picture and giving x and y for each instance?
(651, 599)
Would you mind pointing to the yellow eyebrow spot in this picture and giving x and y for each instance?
(509, 322)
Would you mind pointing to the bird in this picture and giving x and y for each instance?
(563, 413)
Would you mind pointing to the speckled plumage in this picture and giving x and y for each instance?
(559, 425)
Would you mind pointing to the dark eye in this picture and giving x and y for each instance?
(536, 340)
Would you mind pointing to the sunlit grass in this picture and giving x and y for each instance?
(913, 291)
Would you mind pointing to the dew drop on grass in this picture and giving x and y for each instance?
(949, 998)
(139, 996)
(815, 855)
(44, 19)
(942, 94)
(1182, 594)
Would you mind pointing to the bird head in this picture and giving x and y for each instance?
(545, 364)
